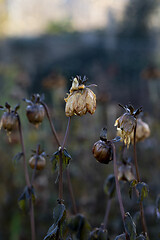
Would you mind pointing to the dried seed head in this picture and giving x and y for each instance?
(35, 111)
(142, 131)
(125, 172)
(80, 100)
(41, 162)
(9, 121)
(126, 123)
(102, 151)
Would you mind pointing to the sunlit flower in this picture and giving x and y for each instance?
(81, 99)
(126, 123)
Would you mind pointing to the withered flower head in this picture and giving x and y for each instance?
(125, 172)
(142, 131)
(35, 111)
(126, 123)
(81, 98)
(38, 159)
(9, 120)
(102, 149)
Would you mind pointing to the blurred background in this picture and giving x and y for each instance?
(42, 45)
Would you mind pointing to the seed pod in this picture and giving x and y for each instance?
(102, 151)
(35, 113)
(41, 162)
(9, 121)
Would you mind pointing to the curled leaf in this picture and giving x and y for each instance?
(143, 190)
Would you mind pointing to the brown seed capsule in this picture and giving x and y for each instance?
(41, 162)
(9, 121)
(102, 151)
(35, 113)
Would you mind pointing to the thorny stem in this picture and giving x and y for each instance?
(108, 207)
(32, 220)
(118, 187)
(138, 179)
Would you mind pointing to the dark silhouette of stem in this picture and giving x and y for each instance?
(61, 161)
(32, 221)
(108, 207)
(35, 166)
(138, 179)
(118, 188)
(66, 133)
(50, 121)
(71, 192)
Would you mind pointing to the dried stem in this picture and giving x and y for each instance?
(66, 133)
(71, 192)
(35, 166)
(138, 179)
(118, 187)
(32, 221)
(108, 207)
(50, 121)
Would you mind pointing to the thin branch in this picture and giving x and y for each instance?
(105, 221)
(118, 188)
(50, 121)
(32, 221)
(144, 226)
(71, 192)
(66, 133)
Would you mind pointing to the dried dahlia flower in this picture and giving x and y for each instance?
(125, 172)
(126, 123)
(142, 131)
(81, 99)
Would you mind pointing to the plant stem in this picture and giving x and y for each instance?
(71, 192)
(35, 166)
(138, 179)
(105, 221)
(51, 124)
(61, 160)
(118, 188)
(32, 221)
(66, 133)
(67, 171)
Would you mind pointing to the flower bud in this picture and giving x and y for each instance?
(102, 151)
